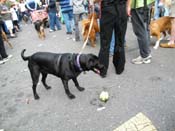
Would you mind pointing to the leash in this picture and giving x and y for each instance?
(90, 28)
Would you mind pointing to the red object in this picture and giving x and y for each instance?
(39, 15)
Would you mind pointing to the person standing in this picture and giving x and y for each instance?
(67, 13)
(140, 20)
(14, 17)
(53, 18)
(6, 16)
(113, 17)
(3, 55)
(79, 13)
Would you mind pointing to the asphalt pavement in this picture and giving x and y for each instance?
(147, 89)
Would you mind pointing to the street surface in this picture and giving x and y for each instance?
(147, 89)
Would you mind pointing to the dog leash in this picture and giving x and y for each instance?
(90, 28)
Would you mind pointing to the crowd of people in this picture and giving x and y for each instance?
(113, 16)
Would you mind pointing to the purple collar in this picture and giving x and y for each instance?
(78, 62)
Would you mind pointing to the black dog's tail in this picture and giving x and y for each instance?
(24, 57)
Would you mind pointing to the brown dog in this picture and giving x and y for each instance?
(159, 26)
(39, 27)
(86, 27)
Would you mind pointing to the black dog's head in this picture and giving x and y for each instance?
(91, 62)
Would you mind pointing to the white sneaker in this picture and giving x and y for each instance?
(1, 62)
(51, 30)
(140, 60)
(8, 57)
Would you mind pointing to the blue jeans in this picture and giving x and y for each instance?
(54, 21)
(157, 10)
(77, 18)
(112, 44)
(68, 19)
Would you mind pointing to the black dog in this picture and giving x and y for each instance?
(66, 66)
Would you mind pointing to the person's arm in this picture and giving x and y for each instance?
(128, 7)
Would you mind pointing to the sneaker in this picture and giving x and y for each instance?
(51, 30)
(7, 58)
(76, 39)
(13, 36)
(140, 60)
(1, 62)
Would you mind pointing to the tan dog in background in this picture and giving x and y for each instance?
(86, 27)
(159, 26)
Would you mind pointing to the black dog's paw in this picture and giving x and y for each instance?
(80, 88)
(71, 96)
(36, 97)
(48, 87)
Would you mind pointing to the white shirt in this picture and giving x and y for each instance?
(14, 15)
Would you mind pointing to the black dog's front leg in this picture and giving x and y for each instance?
(70, 95)
(77, 84)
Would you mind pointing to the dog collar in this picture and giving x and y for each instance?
(78, 62)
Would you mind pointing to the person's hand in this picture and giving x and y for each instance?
(129, 11)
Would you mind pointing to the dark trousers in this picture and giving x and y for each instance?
(2, 48)
(141, 30)
(113, 17)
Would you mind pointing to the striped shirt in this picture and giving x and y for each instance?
(65, 5)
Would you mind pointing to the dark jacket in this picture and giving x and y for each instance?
(52, 6)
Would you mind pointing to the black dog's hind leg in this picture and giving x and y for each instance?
(44, 76)
(65, 83)
(77, 84)
(34, 71)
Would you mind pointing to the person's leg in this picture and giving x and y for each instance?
(57, 22)
(106, 27)
(112, 44)
(51, 21)
(76, 20)
(166, 13)
(9, 25)
(120, 31)
(67, 22)
(2, 48)
(71, 20)
(156, 10)
(140, 30)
